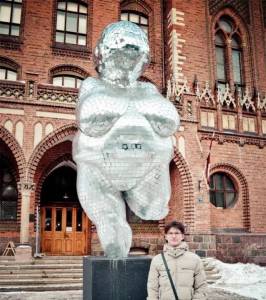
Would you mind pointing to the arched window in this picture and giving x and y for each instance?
(67, 76)
(222, 190)
(8, 74)
(8, 192)
(10, 17)
(71, 23)
(65, 80)
(137, 18)
(229, 54)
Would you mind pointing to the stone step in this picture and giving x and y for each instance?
(65, 257)
(9, 258)
(48, 266)
(40, 271)
(211, 281)
(40, 275)
(213, 271)
(41, 262)
(41, 287)
(209, 268)
(39, 281)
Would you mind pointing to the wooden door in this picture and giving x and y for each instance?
(64, 231)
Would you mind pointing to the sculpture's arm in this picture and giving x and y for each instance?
(88, 87)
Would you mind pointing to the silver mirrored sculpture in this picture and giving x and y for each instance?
(124, 143)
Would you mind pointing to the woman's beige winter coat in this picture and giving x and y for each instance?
(187, 273)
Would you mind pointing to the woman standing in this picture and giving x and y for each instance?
(185, 269)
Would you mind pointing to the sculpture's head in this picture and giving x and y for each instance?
(122, 53)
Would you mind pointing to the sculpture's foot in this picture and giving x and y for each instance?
(115, 237)
(115, 251)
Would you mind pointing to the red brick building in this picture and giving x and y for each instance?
(207, 56)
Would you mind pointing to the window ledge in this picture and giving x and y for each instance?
(230, 131)
(250, 133)
(10, 42)
(208, 128)
(71, 50)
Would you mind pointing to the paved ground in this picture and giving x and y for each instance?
(67, 295)
(213, 294)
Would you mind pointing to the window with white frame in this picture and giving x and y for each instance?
(67, 80)
(249, 124)
(207, 119)
(10, 17)
(137, 18)
(8, 74)
(264, 126)
(229, 122)
(71, 23)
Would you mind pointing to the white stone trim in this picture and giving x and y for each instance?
(12, 111)
(53, 115)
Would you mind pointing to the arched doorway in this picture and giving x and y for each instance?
(64, 225)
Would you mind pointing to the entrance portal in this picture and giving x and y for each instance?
(64, 231)
(64, 225)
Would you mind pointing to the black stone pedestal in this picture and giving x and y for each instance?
(115, 279)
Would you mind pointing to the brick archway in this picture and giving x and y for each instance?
(16, 151)
(188, 193)
(241, 182)
(51, 140)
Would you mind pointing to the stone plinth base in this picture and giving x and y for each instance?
(23, 253)
(115, 279)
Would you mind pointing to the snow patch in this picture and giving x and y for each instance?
(244, 279)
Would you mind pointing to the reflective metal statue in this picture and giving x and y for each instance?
(124, 145)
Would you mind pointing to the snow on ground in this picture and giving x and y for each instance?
(244, 279)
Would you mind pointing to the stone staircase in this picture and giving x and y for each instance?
(54, 273)
(212, 273)
(50, 273)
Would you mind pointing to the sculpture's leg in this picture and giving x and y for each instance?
(149, 199)
(106, 209)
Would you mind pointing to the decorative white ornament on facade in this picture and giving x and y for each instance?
(9, 126)
(48, 129)
(37, 134)
(226, 97)
(206, 95)
(261, 103)
(246, 100)
(176, 90)
(176, 59)
(181, 146)
(19, 133)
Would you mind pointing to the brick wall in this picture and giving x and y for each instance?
(247, 248)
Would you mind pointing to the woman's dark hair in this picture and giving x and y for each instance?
(174, 224)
